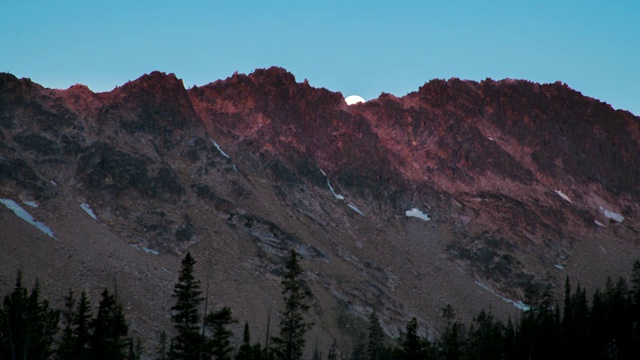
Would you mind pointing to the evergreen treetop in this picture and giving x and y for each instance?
(290, 343)
(188, 342)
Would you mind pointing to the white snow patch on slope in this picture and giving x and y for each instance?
(563, 195)
(24, 215)
(338, 196)
(150, 251)
(33, 204)
(416, 213)
(146, 249)
(220, 149)
(355, 209)
(88, 210)
(333, 191)
(612, 215)
(518, 304)
(598, 223)
(223, 153)
(559, 267)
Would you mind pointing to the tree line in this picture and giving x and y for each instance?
(30, 327)
(606, 327)
(208, 337)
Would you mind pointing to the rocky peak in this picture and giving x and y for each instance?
(155, 103)
(13, 89)
(154, 84)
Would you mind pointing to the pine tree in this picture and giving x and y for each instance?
(245, 351)
(635, 309)
(333, 351)
(161, 350)
(580, 320)
(261, 353)
(635, 283)
(413, 347)
(290, 342)
(219, 345)
(359, 351)
(486, 337)
(27, 324)
(109, 338)
(135, 350)
(509, 341)
(375, 346)
(188, 342)
(82, 323)
(67, 343)
(620, 319)
(449, 315)
(317, 354)
(597, 323)
(451, 342)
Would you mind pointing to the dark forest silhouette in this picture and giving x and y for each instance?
(604, 325)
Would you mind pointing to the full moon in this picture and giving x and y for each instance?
(353, 99)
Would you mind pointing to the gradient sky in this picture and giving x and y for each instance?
(355, 47)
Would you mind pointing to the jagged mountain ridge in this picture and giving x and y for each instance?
(238, 171)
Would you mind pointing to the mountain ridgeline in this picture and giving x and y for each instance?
(517, 185)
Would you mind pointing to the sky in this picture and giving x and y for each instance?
(354, 47)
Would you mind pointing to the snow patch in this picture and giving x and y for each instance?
(518, 304)
(354, 208)
(598, 223)
(484, 286)
(24, 215)
(146, 249)
(416, 213)
(559, 267)
(338, 196)
(223, 153)
(150, 251)
(563, 195)
(32, 204)
(220, 149)
(612, 215)
(88, 210)
(333, 191)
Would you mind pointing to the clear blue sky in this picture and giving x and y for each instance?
(355, 47)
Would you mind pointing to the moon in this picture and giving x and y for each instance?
(353, 99)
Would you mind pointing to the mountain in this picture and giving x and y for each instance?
(460, 193)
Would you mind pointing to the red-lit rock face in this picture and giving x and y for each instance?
(451, 135)
(461, 138)
(487, 161)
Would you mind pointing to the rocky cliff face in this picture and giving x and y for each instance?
(521, 182)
